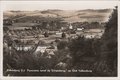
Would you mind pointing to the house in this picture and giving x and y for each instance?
(92, 35)
(80, 29)
(24, 48)
(58, 34)
(50, 51)
(41, 49)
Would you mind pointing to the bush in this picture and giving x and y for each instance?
(62, 45)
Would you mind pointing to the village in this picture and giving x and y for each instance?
(26, 35)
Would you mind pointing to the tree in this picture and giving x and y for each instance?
(62, 45)
(63, 35)
(46, 34)
(108, 56)
(81, 47)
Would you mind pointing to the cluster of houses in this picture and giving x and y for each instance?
(87, 33)
(70, 31)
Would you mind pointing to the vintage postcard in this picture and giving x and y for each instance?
(59, 39)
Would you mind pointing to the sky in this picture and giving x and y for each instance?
(62, 5)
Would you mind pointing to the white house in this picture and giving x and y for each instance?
(41, 49)
(80, 29)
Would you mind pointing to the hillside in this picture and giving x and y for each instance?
(88, 15)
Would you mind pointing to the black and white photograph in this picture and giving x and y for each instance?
(60, 39)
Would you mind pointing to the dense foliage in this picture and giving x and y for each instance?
(103, 51)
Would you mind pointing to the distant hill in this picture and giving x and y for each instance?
(88, 15)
